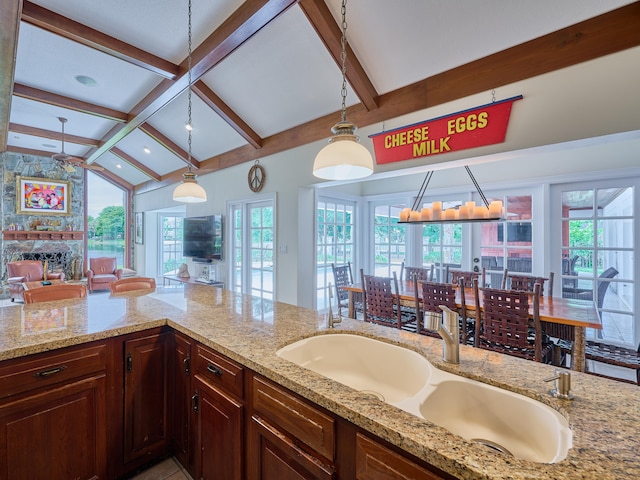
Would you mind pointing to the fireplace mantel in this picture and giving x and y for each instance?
(41, 235)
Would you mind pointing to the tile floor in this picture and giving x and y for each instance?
(168, 469)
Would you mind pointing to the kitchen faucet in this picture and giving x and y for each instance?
(446, 324)
(331, 320)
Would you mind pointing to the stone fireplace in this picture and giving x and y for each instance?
(59, 256)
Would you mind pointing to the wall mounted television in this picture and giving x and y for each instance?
(202, 238)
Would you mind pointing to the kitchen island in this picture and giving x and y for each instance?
(604, 415)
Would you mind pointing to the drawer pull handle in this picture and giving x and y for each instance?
(213, 369)
(48, 373)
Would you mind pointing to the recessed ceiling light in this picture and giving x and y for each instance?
(188, 126)
(86, 81)
(49, 145)
(118, 165)
(146, 150)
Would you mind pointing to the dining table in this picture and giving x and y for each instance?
(576, 314)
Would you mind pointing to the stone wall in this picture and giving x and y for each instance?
(13, 165)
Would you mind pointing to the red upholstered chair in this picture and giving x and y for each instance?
(102, 271)
(55, 292)
(26, 271)
(132, 283)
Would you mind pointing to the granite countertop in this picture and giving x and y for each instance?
(604, 415)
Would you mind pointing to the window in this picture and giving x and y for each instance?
(389, 241)
(252, 248)
(106, 220)
(334, 243)
(170, 244)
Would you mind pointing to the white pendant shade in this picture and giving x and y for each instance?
(343, 159)
(189, 191)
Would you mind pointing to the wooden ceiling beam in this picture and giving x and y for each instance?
(119, 181)
(247, 20)
(9, 27)
(31, 93)
(169, 145)
(136, 164)
(228, 115)
(330, 33)
(605, 34)
(40, 132)
(67, 28)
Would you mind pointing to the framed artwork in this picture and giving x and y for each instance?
(42, 196)
(140, 227)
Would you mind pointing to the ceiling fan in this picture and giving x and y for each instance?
(69, 161)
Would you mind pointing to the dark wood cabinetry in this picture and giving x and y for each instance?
(181, 359)
(53, 415)
(218, 414)
(147, 425)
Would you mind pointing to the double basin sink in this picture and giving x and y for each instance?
(502, 420)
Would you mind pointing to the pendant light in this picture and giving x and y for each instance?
(344, 158)
(189, 191)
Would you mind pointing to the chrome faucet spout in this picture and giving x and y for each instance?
(449, 330)
(331, 320)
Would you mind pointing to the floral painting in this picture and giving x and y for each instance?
(41, 196)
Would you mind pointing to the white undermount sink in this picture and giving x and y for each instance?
(505, 421)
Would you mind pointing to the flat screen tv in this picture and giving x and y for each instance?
(202, 237)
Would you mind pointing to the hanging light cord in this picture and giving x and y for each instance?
(343, 58)
(189, 91)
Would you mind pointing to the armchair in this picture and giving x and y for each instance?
(26, 271)
(102, 271)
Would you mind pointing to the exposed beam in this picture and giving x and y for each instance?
(67, 28)
(168, 144)
(136, 164)
(37, 95)
(121, 182)
(247, 20)
(9, 26)
(330, 33)
(40, 132)
(232, 118)
(609, 33)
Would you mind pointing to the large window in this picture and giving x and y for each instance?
(389, 241)
(334, 243)
(252, 248)
(106, 235)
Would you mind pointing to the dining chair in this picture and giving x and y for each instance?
(526, 282)
(613, 355)
(504, 324)
(429, 296)
(342, 277)
(132, 283)
(453, 276)
(54, 292)
(421, 273)
(381, 301)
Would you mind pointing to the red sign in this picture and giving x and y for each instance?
(472, 128)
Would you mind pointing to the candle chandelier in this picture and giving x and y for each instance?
(469, 212)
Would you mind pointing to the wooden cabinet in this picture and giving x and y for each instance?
(289, 438)
(147, 425)
(53, 415)
(218, 414)
(181, 389)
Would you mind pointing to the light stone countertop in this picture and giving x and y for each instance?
(605, 414)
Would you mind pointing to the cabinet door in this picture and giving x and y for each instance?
(275, 456)
(376, 462)
(182, 399)
(59, 433)
(146, 397)
(219, 432)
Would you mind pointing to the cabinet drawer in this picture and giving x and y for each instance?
(42, 370)
(298, 418)
(219, 371)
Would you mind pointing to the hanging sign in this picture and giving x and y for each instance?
(476, 127)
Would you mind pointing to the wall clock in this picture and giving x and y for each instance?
(256, 177)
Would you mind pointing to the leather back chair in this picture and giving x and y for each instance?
(102, 271)
(132, 283)
(26, 271)
(55, 292)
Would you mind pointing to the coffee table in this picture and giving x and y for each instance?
(38, 284)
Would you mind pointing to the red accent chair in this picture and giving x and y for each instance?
(55, 292)
(26, 271)
(102, 271)
(132, 283)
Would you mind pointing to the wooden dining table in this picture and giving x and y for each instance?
(571, 312)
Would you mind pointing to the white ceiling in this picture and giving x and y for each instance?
(280, 78)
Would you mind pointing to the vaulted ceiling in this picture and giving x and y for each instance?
(265, 73)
